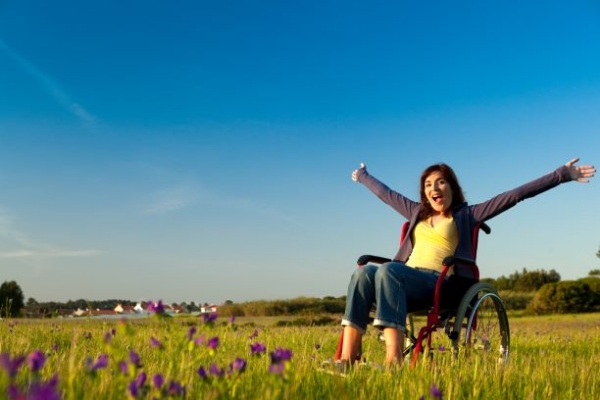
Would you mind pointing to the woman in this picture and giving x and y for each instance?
(440, 225)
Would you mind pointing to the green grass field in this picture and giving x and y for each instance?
(554, 357)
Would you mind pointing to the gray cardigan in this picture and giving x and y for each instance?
(465, 216)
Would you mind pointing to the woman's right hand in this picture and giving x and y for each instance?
(357, 171)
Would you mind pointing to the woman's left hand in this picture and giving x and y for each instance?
(580, 173)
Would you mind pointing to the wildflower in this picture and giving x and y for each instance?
(436, 392)
(123, 367)
(232, 319)
(317, 346)
(213, 343)
(175, 389)
(156, 308)
(238, 365)
(199, 340)
(141, 379)
(258, 348)
(216, 371)
(55, 347)
(191, 332)
(154, 342)
(133, 389)
(107, 337)
(278, 359)
(134, 358)
(36, 360)
(100, 363)
(209, 318)
(158, 380)
(254, 335)
(441, 349)
(276, 368)
(280, 355)
(202, 373)
(11, 366)
(45, 390)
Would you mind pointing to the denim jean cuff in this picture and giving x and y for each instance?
(345, 322)
(378, 323)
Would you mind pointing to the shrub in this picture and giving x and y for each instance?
(562, 297)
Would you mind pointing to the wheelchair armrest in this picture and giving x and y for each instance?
(451, 260)
(367, 258)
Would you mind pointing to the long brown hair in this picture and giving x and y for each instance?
(448, 174)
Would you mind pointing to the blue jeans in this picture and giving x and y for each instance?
(396, 290)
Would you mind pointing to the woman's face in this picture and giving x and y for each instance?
(438, 192)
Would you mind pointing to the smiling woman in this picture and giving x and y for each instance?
(440, 225)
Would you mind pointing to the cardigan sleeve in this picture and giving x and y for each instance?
(504, 201)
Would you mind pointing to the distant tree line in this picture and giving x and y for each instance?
(535, 292)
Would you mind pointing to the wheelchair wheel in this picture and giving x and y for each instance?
(481, 325)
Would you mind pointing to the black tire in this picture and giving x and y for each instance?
(481, 324)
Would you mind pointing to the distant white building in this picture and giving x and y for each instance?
(138, 309)
(208, 309)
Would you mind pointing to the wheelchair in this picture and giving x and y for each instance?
(471, 313)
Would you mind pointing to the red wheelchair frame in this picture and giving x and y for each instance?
(435, 317)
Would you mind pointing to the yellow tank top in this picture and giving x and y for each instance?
(431, 244)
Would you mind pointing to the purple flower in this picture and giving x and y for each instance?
(123, 367)
(44, 390)
(216, 371)
(133, 389)
(213, 343)
(156, 308)
(258, 348)
(276, 368)
(175, 389)
(191, 332)
(54, 347)
(199, 340)
(134, 358)
(441, 348)
(202, 373)
(238, 365)
(209, 318)
(280, 355)
(232, 319)
(154, 342)
(11, 366)
(100, 363)
(254, 335)
(36, 360)
(107, 337)
(141, 379)
(158, 380)
(436, 392)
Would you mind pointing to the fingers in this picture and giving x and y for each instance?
(356, 171)
(584, 172)
(570, 163)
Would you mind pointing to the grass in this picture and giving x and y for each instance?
(553, 357)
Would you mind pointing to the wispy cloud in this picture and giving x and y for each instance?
(171, 199)
(50, 85)
(253, 207)
(28, 249)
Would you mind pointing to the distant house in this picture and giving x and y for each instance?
(208, 309)
(121, 309)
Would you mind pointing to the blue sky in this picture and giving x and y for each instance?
(202, 150)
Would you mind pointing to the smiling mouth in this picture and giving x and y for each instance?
(437, 199)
